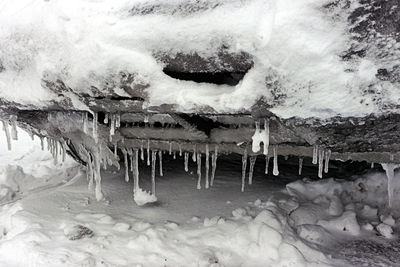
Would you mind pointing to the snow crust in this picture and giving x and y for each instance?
(296, 48)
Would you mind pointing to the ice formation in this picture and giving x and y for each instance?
(251, 170)
(160, 159)
(14, 132)
(199, 170)
(207, 167)
(214, 158)
(95, 127)
(148, 152)
(261, 136)
(321, 152)
(194, 153)
(244, 167)
(7, 133)
(153, 172)
(300, 165)
(275, 170)
(186, 161)
(136, 171)
(315, 155)
(266, 164)
(85, 119)
(389, 169)
(125, 153)
(327, 158)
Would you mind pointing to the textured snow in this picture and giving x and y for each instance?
(295, 47)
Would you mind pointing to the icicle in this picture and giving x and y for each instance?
(194, 153)
(136, 171)
(148, 152)
(85, 122)
(125, 153)
(266, 164)
(48, 143)
(42, 143)
(106, 118)
(7, 132)
(300, 165)
(372, 165)
(244, 166)
(251, 171)
(146, 118)
(320, 162)
(130, 153)
(160, 159)
(115, 149)
(153, 172)
(207, 166)
(97, 177)
(186, 164)
(112, 126)
(117, 121)
(275, 171)
(180, 150)
(199, 170)
(170, 148)
(327, 157)
(214, 158)
(315, 155)
(95, 126)
(63, 151)
(141, 151)
(391, 157)
(55, 155)
(89, 171)
(14, 132)
(174, 155)
(389, 169)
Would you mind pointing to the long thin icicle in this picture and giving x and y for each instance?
(186, 161)
(148, 152)
(320, 161)
(214, 158)
(207, 166)
(125, 153)
(251, 170)
(42, 143)
(275, 171)
(141, 151)
(244, 167)
(194, 153)
(85, 119)
(300, 165)
(199, 171)
(14, 131)
(7, 132)
(153, 172)
(136, 171)
(160, 159)
(266, 164)
(170, 148)
(95, 127)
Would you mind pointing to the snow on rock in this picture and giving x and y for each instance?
(385, 230)
(347, 222)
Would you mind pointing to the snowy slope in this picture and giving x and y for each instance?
(297, 48)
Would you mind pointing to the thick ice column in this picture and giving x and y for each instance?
(251, 170)
(389, 169)
(199, 171)
(275, 171)
(214, 158)
(160, 159)
(7, 132)
(97, 177)
(153, 172)
(300, 165)
(186, 161)
(327, 157)
(261, 136)
(315, 155)
(244, 167)
(207, 166)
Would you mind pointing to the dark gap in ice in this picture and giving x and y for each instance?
(228, 78)
(202, 123)
(120, 98)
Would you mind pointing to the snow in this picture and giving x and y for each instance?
(49, 218)
(296, 50)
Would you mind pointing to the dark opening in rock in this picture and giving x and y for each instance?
(228, 78)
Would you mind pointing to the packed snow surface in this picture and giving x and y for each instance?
(295, 45)
(49, 218)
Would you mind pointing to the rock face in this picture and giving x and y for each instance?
(374, 40)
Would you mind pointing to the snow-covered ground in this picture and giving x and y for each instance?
(49, 218)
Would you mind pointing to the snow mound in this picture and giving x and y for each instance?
(143, 197)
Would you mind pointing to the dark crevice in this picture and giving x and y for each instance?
(119, 98)
(228, 78)
(202, 123)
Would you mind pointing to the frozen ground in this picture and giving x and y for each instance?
(49, 218)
